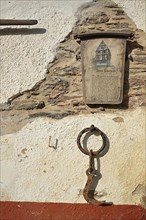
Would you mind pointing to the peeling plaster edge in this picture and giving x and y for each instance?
(36, 86)
(46, 69)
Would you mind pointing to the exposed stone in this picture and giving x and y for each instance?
(67, 49)
(118, 18)
(75, 103)
(28, 105)
(112, 23)
(140, 58)
(51, 115)
(53, 88)
(14, 97)
(5, 107)
(94, 18)
(40, 105)
(112, 6)
(118, 25)
(119, 12)
(101, 108)
(78, 56)
(138, 81)
(34, 93)
(61, 87)
(91, 27)
(67, 70)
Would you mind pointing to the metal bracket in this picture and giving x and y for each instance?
(17, 22)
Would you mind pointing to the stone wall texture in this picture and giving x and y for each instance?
(60, 93)
(135, 10)
(48, 102)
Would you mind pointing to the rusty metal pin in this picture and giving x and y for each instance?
(91, 162)
(17, 22)
(52, 146)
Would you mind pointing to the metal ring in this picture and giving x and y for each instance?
(91, 129)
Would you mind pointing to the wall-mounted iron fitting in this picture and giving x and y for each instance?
(17, 22)
(91, 171)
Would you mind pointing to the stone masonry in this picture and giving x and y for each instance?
(59, 94)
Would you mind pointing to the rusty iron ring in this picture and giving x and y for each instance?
(92, 128)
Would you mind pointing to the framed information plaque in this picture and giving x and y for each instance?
(103, 64)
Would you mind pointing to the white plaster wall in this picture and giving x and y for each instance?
(136, 10)
(24, 58)
(32, 171)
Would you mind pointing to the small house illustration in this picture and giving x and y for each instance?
(103, 55)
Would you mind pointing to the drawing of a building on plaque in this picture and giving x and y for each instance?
(103, 55)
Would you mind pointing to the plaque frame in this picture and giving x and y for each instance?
(103, 66)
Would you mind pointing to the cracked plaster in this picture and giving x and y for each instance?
(32, 171)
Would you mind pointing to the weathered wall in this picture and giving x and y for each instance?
(36, 44)
(135, 10)
(31, 170)
(21, 70)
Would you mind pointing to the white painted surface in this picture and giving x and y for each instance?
(31, 171)
(24, 58)
(136, 10)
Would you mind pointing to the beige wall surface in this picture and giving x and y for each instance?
(30, 169)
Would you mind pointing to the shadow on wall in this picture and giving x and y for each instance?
(21, 31)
